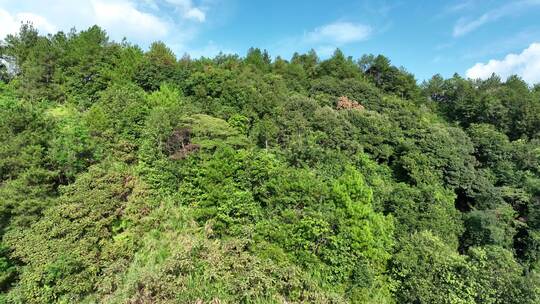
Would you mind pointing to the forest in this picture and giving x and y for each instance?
(135, 176)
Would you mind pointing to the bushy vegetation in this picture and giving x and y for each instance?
(136, 177)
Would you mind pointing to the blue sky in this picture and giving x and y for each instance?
(471, 37)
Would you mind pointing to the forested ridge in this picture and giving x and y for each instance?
(131, 176)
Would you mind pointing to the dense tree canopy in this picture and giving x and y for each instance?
(131, 176)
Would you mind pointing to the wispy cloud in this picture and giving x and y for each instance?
(460, 6)
(324, 39)
(339, 33)
(525, 64)
(188, 10)
(466, 25)
(500, 46)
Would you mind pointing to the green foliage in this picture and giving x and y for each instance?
(134, 177)
(389, 78)
(490, 227)
(425, 208)
(431, 272)
(72, 149)
(123, 109)
(7, 270)
(338, 67)
(511, 107)
(59, 67)
(259, 59)
(500, 278)
(158, 66)
(24, 132)
(83, 235)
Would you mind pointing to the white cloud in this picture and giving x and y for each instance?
(120, 18)
(39, 22)
(10, 24)
(176, 22)
(125, 16)
(339, 33)
(526, 65)
(466, 25)
(196, 14)
(188, 10)
(150, 4)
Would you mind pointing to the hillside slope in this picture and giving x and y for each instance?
(134, 177)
